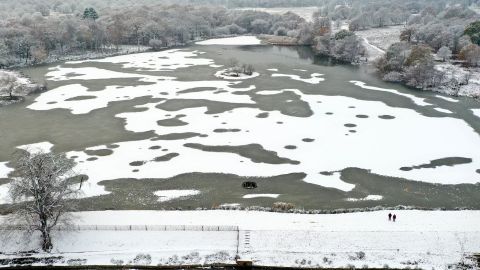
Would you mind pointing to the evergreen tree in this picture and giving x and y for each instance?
(473, 31)
(90, 13)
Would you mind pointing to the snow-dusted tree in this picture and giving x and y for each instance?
(471, 54)
(444, 53)
(43, 191)
(8, 84)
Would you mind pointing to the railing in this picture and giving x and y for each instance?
(129, 228)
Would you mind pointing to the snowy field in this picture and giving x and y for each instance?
(424, 239)
(381, 38)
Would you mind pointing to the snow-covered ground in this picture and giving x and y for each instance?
(424, 239)
(381, 38)
(459, 80)
(373, 52)
(240, 40)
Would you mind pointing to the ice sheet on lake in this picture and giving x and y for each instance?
(442, 110)
(4, 170)
(33, 148)
(476, 112)
(252, 196)
(341, 139)
(168, 195)
(315, 78)
(331, 181)
(368, 198)
(331, 151)
(416, 100)
(66, 97)
(241, 40)
(156, 61)
(447, 98)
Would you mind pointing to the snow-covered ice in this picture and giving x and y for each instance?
(156, 61)
(416, 100)
(252, 196)
(447, 98)
(372, 135)
(331, 181)
(315, 78)
(476, 112)
(168, 195)
(368, 198)
(347, 133)
(442, 110)
(43, 147)
(240, 40)
(4, 170)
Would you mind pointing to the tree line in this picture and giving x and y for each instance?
(33, 38)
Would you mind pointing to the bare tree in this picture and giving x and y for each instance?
(43, 191)
(8, 84)
(250, 69)
(444, 53)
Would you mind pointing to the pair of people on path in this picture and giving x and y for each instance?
(390, 217)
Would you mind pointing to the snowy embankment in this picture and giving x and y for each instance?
(425, 239)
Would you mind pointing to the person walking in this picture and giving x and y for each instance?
(389, 216)
(394, 217)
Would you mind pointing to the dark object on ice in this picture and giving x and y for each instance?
(389, 216)
(394, 217)
(244, 264)
(249, 185)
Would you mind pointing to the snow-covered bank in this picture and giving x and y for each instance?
(425, 239)
(458, 80)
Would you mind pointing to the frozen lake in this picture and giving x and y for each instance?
(159, 130)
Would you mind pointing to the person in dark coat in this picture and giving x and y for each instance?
(389, 216)
(394, 217)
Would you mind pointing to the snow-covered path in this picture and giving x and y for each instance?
(373, 52)
(418, 238)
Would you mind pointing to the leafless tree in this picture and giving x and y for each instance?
(43, 191)
(250, 69)
(8, 84)
(444, 53)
